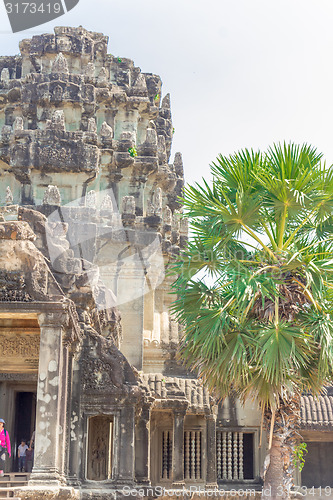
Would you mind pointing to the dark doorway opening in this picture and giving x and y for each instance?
(25, 419)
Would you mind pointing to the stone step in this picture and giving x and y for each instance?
(8, 493)
(12, 484)
(15, 476)
(10, 481)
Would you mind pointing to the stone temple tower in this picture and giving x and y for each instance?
(89, 219)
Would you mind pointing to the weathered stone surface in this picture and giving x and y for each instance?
(85, 144)
(16, 231)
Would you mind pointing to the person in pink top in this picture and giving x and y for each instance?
(4, 446)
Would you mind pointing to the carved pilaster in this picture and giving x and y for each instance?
(142, 446)
(211, 450)
(51, 399)
(126, 446)
(178, 447)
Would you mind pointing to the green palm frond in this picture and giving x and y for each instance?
(255, 284)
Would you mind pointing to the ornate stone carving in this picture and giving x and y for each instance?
(157, 201)
(107, 370)
(106, 131)
(90, 70)
(57, 121)
(103, 76)
(92, 127)
(150, 209)
(19, 346)
(52, 196)
(58, 93)
(5, 76)
(100, 434)
(91, 200)
(9, 196)
(18, 124)
(128, 205)
(60, 64)
(151, 137)
(167, 216)
(107, 203)
(13, 287)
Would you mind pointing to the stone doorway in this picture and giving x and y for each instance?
(100, 444)
(25, 419)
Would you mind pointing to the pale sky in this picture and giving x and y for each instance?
(241, 73)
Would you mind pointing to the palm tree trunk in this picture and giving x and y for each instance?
(273, 488)
(278, 476)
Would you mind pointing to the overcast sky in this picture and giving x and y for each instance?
(241, 73)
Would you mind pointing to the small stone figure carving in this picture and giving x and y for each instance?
(91, 199)
(90, 70)
(57, 122)
(58, 93)
(150, 209)
(103, 76)
(178, 164)
(5, 75)
(157, 201)
(166, 103)
(60, 64)
(107, 203)
(18, 123)
(140, 86)
(151, 136)
(52, 196)
(106, 131)
(9, 196)
(167, 216)
(128, 203)
(92, 127)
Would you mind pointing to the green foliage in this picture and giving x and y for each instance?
(133, 152)
(298, 456)
(157, 96)
(255, 284)
(119, 59)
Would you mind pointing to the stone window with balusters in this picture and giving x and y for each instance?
(234, 455)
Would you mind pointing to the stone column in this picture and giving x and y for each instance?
(211, 479)
(142, 447)
(50, 400)
(178, 448)
(126, 445)
(75, 431)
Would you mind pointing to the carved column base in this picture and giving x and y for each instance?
(46, 476)
(73, 481)
(47, 492)
(178, 484)
(211, 486)
(124, 482)
(143, 481)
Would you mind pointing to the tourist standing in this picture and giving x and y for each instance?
(21, 453)
(4, 446)
(29, 455)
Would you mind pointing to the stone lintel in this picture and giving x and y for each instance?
(60, 314)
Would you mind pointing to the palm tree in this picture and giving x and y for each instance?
(255, 287)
